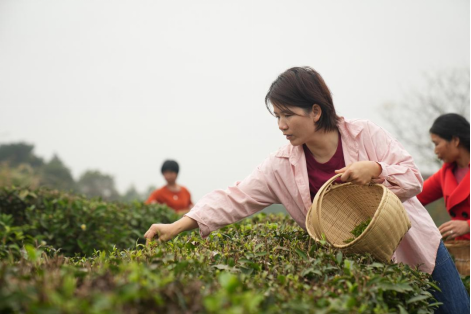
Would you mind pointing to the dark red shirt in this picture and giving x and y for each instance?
(319, 173)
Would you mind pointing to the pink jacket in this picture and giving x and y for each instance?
(282, 179)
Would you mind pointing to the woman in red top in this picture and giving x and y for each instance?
(450, 134)
(173, 195)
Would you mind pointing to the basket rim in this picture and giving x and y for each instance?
(456, 243)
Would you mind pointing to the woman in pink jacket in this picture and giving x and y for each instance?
(322, 144)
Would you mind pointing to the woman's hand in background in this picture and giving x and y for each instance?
(454, 228)
(360, 172)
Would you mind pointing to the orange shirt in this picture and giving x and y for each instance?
(175, 200)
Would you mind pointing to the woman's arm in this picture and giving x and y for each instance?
(223, 207)
(399, 172)
(432, 189)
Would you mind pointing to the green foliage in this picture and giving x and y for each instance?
(55, 174)
(23, 175)
(265, 264)
(358, 230)
(465, 280)
(16, 154)
(19, 166)
(11, 237)
(72, 223)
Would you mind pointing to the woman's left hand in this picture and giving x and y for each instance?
(454, 228)
(360, 172)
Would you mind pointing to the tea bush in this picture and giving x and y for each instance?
(265, 264)
(72, 223)
(63, 253)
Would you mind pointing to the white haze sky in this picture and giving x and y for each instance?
(120, 86)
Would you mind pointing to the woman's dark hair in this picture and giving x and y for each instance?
(170, 165)
(303, 87)
(452, 125)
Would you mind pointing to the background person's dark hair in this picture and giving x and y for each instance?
(303, 87)
(452, 125)
(170, 165)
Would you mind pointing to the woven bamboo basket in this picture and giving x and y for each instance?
(459, 249)
(338, 208)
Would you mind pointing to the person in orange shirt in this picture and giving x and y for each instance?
(173, 195)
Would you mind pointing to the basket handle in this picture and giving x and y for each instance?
(313, 214)
(330, 183)
(327, 185)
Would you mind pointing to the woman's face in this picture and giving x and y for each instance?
(170, 176)
(297, 125)
(445, 150)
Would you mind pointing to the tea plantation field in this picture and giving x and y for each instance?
(63, 253)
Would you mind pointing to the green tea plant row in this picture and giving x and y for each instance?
(72, 223)
(63, 253)
(265, 264)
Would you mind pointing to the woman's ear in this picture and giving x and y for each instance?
(455, 141)
(316, 112)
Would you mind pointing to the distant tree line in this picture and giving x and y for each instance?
(410, 119)
(20, 166)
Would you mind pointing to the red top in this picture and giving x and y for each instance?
(319, 173)
(175, 200)
(444, 184)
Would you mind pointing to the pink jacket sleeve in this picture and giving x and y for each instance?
(399, 172)
(223, 207)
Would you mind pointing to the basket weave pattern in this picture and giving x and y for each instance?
(459, 249)
(337, 209)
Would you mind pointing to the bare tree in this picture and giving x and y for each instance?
(411, 119)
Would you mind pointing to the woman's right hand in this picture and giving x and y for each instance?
(169, 231)
(164, 232)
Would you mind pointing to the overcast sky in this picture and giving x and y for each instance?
(120, 86)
